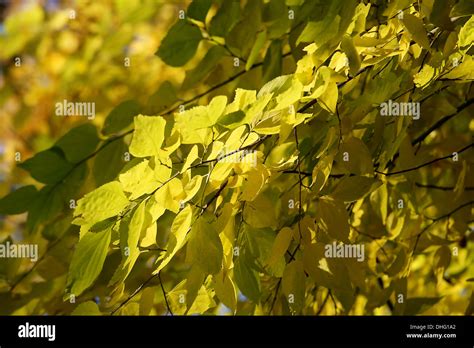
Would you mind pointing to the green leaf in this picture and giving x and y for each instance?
(225, 290)
(162, 99)
(353, 188)
(87, 261)
(146, 301)
(109, 161)
(328, 100)
(347, 45)
(258, 251)
(379, 201)
(48, 166)
(280, 245)
(462, 8)
(332, 217)
(104, 202)
(358, 158)
(293, 285)
(418, 305)
(179, 229)
(205, 66)
(226, 17)
(87, 308)
(130, 231)
(253, 212)
(18, 201)
(198, 9)
(320, 32)
(121, 117)
(257, 46)
(79, 142)
(148, 136)
(180, 43)
(247, 279)
(417, 30)
(272, 63)
(52, 199)
(194, 282)
(242, 36)
(204, 240)
(321, 172)
(440, 14)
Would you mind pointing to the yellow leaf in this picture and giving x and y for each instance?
(191, 188)
(192, 156)
(424, 77)
(293, 285)
(254, 183)
(179, 229)
(321, 172)
(332, 217)
(146, 301)
(353, 188)
(280, 245)
(417, 30)
(225, 290)
(349, 49)
(328, 100)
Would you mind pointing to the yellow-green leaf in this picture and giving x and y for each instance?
(280, 245)
(87, 261)
(417, 30)
(179, 229)
(293, 285)
(104, 202)
(148, 136)
(332, 217)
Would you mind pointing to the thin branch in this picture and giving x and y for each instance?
(140, 288)
(253, 145)
(276, 295)
(435, 220)
(427, 163)
(339, 85)
(164, 295)
(444, 188)
(442, 121)
(213, 88)
(214, 197)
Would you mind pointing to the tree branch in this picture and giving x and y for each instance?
(433, 221)
(339, 85)
(164, 295)
(444, 188)
(441, 121)
(425, 164)
(140, 288)
(213, 88)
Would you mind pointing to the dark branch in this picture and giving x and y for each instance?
(427, 163)
(164, 295)
(140, 288)
(444, 188)
(442, 121)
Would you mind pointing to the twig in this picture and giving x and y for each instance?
(164, 294)
(427, 163)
